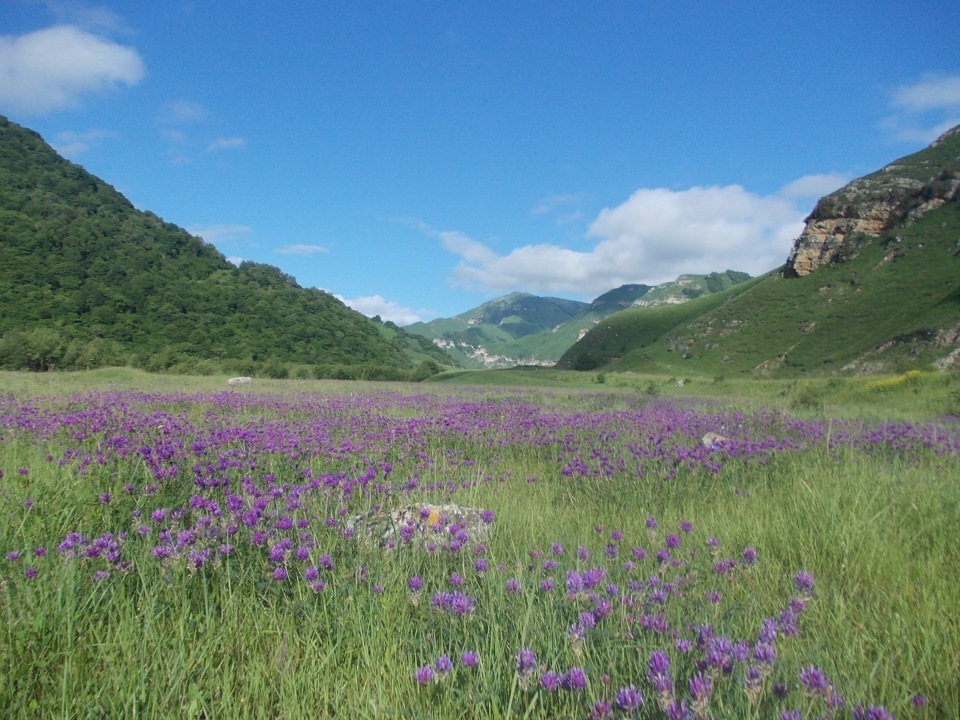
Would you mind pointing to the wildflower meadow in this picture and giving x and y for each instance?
(179, 554)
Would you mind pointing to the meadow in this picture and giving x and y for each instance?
(169, 548)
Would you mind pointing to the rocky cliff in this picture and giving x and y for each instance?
(895, 196)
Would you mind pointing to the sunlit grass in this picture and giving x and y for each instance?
(876, 530)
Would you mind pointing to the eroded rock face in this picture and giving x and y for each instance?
(898, 195)
(868, 206)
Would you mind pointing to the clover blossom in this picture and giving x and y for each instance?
(628, 700)
(524, 662)
(468, 658)
(549, 680)
(423, 675)
(574, 679)
(699, 686)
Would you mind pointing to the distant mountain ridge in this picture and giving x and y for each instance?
(87, 280)
(871, 285)
(525, 329)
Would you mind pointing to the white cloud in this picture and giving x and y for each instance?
(221, 233)
(305, 250)
(226, 143)
(56, 67)
(932, 94)
(371, 305)
(924, 110)
(94, 19)
(70, 144)
(814, 187)
(181, 112)
(652, 237)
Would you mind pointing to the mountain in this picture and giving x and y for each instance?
(871, 285)
(524, 329)
(88, 280)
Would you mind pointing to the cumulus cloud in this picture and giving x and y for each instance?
(56, 67)
(305, 250)
(371, 305)
(219, 233)
(652, 237)
(924, 110)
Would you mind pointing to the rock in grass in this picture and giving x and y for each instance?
(451, 526)
(714, 441)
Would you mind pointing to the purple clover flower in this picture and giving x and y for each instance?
(803, 581)
(574, 679)
(814, 680)
(443, 665)
(524, 661)
(549, 680)
(468, 658)
(423, 675)
(628, 700)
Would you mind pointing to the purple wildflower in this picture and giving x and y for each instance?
(803, 581)
(815, 681)
(279, 573)
(549, 680)
(443, 665)
(524, 661)
(468, 658)
(574, 679)
(628, 700)
(423, 675)
(699, 686)
(600, 710)
(872, 712)
(487, 516)
(415, 584)
(513, 586)
(749, 555)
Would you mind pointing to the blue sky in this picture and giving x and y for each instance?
(418, 158)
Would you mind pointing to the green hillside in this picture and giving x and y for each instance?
(884, 304)
(87, 280)
(523, 329)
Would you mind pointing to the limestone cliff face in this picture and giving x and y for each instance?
(897, 195)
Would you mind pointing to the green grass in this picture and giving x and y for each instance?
(879, 534)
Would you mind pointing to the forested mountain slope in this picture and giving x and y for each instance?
(87, 280)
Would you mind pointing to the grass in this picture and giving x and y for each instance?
(875, 526)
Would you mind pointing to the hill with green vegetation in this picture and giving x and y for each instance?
(886, 300)
(87, 280)
(524, 329)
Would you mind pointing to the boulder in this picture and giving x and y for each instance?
(233, 382)
(449, 526)
(714, 441)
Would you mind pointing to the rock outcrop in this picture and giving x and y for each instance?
(897, 195)
(421, 525)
